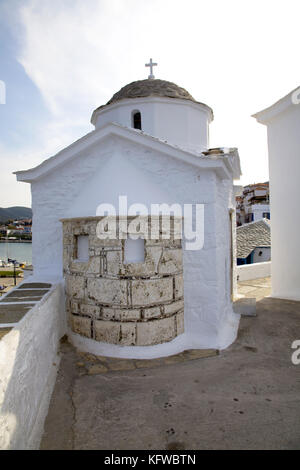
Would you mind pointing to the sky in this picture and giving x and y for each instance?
(61, 59)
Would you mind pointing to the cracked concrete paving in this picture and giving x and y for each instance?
(247, 397)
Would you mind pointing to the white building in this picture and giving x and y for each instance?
(253, 203)
(253, 242)
(150, 143)
(283, 124)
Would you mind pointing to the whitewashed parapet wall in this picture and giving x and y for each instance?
(29, 361)
(121, 303)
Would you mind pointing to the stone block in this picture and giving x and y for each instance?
(151, 291)
(86, 267)
(163, 243)
(75, 286)
(107, 331)
(102, 250)
(120, 314)
(107, 291)
(93, 266)
(170, 262)
(81, 325)
(152, 312)
(91, 252)
(173, 307)
(79, 230)
(74, 307)
(148, 363)
(67, 227)
(191, 354)
(96, 369)
(91, 310)
(67, 256)
(109, 314)
(112, 262)
(90, 227)
(155, 331)
(129, 315)
(128, 334)
(178, 286)
(78, 267)
(96, 242)
(153, 255)
(175, 359)
(67, 239)
(179, 323)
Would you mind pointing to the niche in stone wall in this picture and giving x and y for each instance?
(134, 251)
(82, 244)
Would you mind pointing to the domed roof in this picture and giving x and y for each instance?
(151, 87)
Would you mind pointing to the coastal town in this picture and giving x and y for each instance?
(19, 230)
(13, 233)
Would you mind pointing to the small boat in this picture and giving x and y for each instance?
(14, 262)
(9, 264)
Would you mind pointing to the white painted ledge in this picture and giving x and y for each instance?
(246, 272)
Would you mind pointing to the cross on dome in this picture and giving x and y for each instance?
(151, 65)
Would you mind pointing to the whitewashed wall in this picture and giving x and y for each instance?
(180, 122)
(264, 256)
(28, 367)
(258, 211)
(284, 164)
(119, 167)
(247, 272)
(282, 120)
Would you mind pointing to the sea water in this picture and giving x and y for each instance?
(22, 252)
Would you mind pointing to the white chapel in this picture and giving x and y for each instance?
(146, 297)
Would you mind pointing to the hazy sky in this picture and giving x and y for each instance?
(60, 59)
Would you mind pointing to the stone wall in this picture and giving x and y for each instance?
(122, 303)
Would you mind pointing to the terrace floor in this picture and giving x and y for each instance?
(258, 288)
(246, 397)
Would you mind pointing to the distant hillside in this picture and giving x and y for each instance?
(15, 213)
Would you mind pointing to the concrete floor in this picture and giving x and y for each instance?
(256, 288)
(247, 397)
